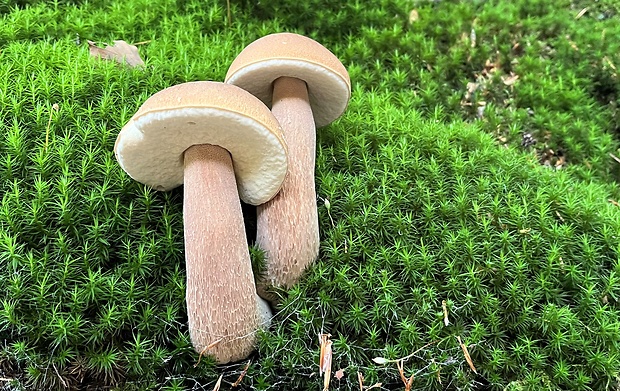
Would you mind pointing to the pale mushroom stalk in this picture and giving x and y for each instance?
(288, 225)
(224, 146)
(307, 87)
(219, 271)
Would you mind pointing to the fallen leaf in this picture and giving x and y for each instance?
(339, 374)
(325, 360)
(121, 52)
(467, 356)
(510, 80)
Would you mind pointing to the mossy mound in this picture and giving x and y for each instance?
(424, 199)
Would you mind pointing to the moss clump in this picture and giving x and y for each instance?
(429, 199)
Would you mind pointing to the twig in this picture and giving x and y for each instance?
(401, 371)
(466, 353)
(242, 375)
(209, 346)
(219, 383)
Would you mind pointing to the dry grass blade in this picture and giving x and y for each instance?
(204, 350)
(218, 383)
(242, 375)
(360, 379)
(325, 353)
(466, 353)
(581, 13)
(401, 371)
(325, 359)
(121, 52)
(444, 306)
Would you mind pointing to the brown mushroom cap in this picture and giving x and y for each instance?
(150, 146)
(293, 55)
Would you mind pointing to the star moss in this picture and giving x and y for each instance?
(438, 221)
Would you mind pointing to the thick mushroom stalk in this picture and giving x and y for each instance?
(288, 226)
(225, 146)
(222, 304)
(307, 87)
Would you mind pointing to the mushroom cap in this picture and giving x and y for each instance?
(293, 55)
(151, 145)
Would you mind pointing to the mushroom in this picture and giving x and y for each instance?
(222, 144)
(307, 87)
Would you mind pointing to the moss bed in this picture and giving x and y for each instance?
(474, 167)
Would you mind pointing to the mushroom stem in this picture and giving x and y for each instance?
(288, 226)
(222, 304)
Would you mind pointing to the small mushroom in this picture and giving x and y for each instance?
(222, 144)
(307, 87)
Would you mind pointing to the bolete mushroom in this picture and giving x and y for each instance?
(223, 145)
(307, 87)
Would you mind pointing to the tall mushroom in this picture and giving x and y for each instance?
(222, 144)
(307, 87)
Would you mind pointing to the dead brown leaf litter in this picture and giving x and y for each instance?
(121, 52)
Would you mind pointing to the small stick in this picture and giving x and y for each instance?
(401, 371)
(209, 346)
(218, 384)
(466, 353)
(242, 375)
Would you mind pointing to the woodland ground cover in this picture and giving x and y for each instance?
(474, 166)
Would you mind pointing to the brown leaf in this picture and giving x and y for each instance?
(121, 52)
(325, 359)
(339, 374)
(467, 356)
(510, 80)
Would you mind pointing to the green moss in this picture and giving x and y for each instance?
(423, 198)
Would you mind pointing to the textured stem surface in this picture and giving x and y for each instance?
(287, 226)
(222, 303)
